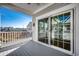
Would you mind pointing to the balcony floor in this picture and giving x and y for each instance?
(32, 48)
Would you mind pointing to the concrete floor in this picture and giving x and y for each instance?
(35, 49)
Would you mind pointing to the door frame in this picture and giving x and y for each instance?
(71, 32)
(72, 22)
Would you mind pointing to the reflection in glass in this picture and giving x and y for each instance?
(43, 30)
(60, 31)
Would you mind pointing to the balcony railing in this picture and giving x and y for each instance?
(6, 37)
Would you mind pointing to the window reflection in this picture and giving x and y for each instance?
(61, 30)
(43, 30)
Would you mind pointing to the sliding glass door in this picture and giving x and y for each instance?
(61, 30)
(43, 30)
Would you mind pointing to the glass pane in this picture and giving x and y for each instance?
(66, 31)
(60, 31)
(43, 30)
(57, 30)
(60, 26)
(54, 29)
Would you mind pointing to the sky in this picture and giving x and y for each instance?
(12, 18)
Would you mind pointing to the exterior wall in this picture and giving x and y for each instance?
(51, 8)
(56, 8)
(34, 31)
(77, 31)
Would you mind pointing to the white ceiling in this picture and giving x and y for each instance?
(32, 7)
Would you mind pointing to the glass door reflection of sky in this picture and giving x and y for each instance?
(12, 18)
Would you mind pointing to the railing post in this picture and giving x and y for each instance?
(4, 37)
(12, 36)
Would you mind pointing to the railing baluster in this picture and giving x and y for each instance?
(2, 38)
(6, 37)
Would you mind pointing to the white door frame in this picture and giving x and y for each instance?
(61, 49)
(71, 32)
(52, 13)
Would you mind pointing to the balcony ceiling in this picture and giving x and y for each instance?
(30, 8)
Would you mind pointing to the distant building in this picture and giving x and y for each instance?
(29, 27)
(7, 29)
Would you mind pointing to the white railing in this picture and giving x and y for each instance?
(6, 37)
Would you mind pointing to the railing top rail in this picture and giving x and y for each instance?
(14, 32)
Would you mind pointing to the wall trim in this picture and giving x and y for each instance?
(64, 8)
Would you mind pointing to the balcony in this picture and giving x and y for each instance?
(49, 38)
(19, 44)
(11, 38)
(31, 48)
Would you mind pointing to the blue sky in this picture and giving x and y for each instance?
(12, 18)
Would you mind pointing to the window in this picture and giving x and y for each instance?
(61, 31)
(42, 30)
